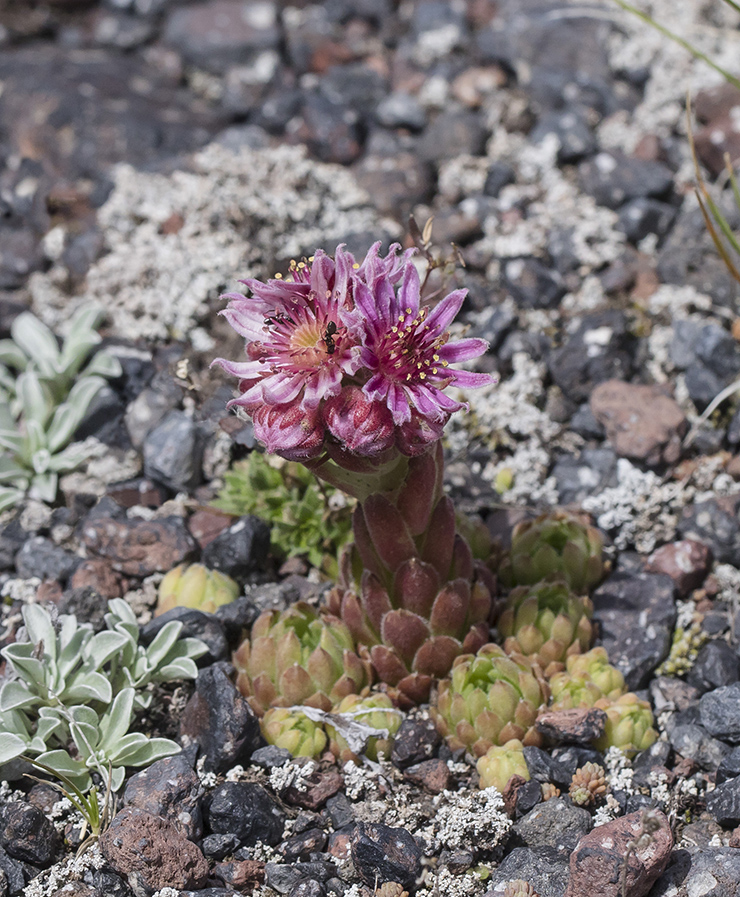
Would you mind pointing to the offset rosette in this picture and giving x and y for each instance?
(556, 545)
(500, 763)
(629, 724)
(293, 730)
(296, 657)
(586, 679)
(546, 622)
(490, 699)
(412, 595)
(375, 711)
(195, 586)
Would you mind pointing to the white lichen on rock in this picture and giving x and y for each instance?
(174, 242)
(292, 775)
(468, 820)
(70, 870)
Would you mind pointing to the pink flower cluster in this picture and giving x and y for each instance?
(342, 357)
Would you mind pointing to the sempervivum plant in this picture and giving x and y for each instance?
(195, 586)
(291, 729)
(297, 657)
(546, 621)
(420, 599)
(500, 763)
(490, 698)
(374, 710)
(629, 724)
(556, 545)
(586, 679)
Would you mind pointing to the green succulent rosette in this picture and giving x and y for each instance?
(291, 729)
(298, 657)
(546, 622)
(555, 546)
(629, 725)
(500, 763)
(490, 698)
(375, 711)
(197, 587)
(586, 679)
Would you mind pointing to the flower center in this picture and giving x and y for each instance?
(409, 350)
(304, 338)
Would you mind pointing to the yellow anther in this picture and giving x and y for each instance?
(408, 311)
(408, 376)
(445, 364)
(301, 264)
(278, 276)
(422, 376)
(434, 370)
(394, 329)
(355, 266)
(310, 258)
(435, 357)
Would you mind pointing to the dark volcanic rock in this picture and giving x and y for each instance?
(40, 557)
(545, 868)
(247, 811)
(381, 853)
(710, 871)
(637, 614)
(724, 802)
(613, 178)
(716, 665)
(171, 789)
(415, 741)
(715, 523)
(220, 721)
(241, 549)
(532, 284)
(173, 452)
(720, 712)
(554, 823)
(26, 834)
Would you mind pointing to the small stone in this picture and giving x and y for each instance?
(315, 789)
(695, 743)
(716, 665)
(434, 775)
(687, 562)
(597, 861)
(544, 867)
(668, 693)
(381, 853)
(500, 175)
(532, 284)
(40, 557)
(206, 524)
(452, 134)
(220, 721)
(714, 522)
(415, 741)
(26, 834)
(270, 756)
(283, 878)
(719, 712)
(247, 811)
(641, 422)
(637, 615)
(308, 888)
(97, 574)
(397, 181)
(643, 216)
(169, 788)
(139, 547)
(216, 847)
(173, 452)
(613, 178)
(302, 845)
(580, 725)
(570, 127)
(729, 768)
(150, 850)
(329, 129)
(553, 823)
(239, 550)
(600, 349)
(544, 768)
(724, 803)
(12, 872)
(244, 875)
(401, 110)
(215, 35)
(707, 872)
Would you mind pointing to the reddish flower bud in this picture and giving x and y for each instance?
(359, 424)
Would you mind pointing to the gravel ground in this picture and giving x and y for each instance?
(154, 151)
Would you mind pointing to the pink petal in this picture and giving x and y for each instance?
(408, 294)
(445, 312)
(463, 350)
(279, 389)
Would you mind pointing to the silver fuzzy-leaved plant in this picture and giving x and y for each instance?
(66, 683)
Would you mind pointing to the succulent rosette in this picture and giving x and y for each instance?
(375, 711)
(195, 586)
(490, 698)
(297, 657)
(556, 545)
(294, 731)
(547, 622)
(410, 592)
(586, 679)
(629, 724)
(500, 763)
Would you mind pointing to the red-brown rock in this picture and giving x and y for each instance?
(150, 849)
(434, 775)
(244, 875)
(139, 547)
(315, 790)
(596, 865)
(98, 574)
(687, 563)
(718, 108)
(641, 422)
(580, 725)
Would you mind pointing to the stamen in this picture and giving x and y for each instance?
(278, 276)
